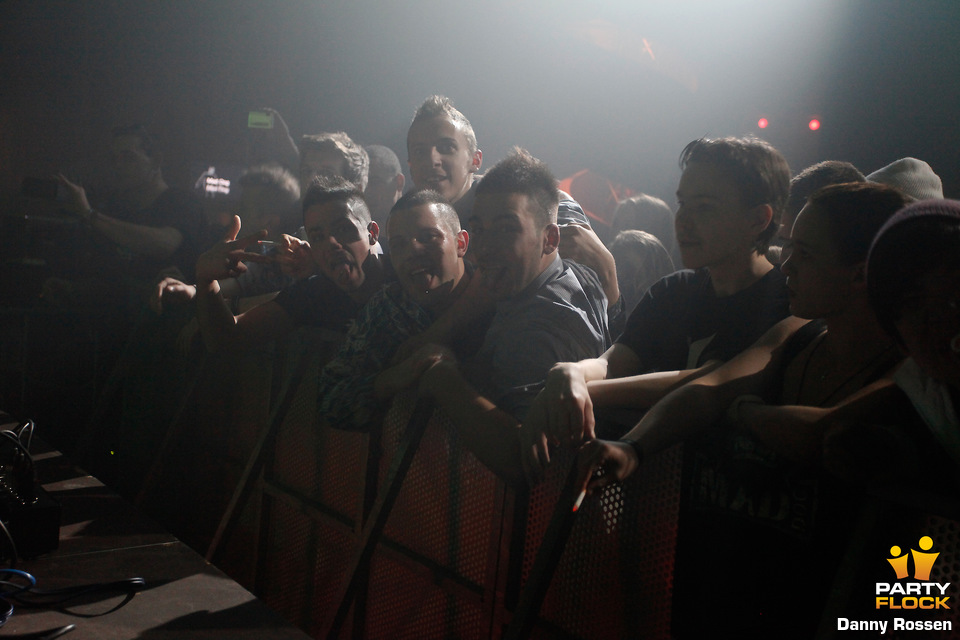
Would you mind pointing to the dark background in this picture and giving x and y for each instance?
(571, 81)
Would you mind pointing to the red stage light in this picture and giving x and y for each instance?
(814, 124)
(762, 123)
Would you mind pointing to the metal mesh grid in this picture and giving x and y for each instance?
(306, 561)
(406, 603)
(229, 407)
(233, 404)
(235, 557)
(285, 581)
(946, 535)
(446, 509)
(446, 513)
(301, 448)
(614, 578)
(320, 462)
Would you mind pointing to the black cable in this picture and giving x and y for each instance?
(14, 555)
(58, 598)
(12, 588)
(28, 426)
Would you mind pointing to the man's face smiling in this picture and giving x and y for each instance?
(426, 254)
(440, 157)
(511, 248)
(713, 227)
(338, 242)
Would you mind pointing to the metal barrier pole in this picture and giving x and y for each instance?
(548, 557)
(258, 457)
(373, 528)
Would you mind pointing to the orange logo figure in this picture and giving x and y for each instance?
(898, 562)
(923, 562)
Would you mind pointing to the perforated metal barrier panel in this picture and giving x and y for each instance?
(313, 487)
(458, 547)
(444, 529)
(614, 579)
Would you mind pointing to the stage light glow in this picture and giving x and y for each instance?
(814, 124)
(763, 123)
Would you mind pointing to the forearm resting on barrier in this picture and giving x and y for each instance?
(645, 390)
(488, 432)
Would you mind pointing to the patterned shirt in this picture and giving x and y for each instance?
(346, 394)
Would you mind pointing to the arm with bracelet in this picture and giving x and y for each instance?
(153, 242)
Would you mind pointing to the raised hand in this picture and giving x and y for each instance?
(224, 259)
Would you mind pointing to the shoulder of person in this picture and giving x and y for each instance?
(682, 280)
(582, 272)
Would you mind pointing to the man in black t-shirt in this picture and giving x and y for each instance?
(681, 322)
(731, 194)
(146, 227)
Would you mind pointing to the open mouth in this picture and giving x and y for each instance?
(422, 278)
(340, 265)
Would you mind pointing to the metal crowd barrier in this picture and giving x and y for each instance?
(402, 533)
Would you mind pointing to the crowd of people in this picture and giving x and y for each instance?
(815, 315)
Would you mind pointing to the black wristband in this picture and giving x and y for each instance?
(637, 449)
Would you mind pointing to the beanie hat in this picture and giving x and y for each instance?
(913, 177)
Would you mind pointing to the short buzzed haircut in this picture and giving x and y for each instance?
(324, 189)
(436, 106)
(817, 176)
(856, 212)
(412, 199)
(521, 173)
(280, 187)
(760, 173)
(356, 160)
(280, 183)
(384, 163)
(646, 213)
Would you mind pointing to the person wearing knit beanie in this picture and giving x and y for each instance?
(913, 281)
(914, 177)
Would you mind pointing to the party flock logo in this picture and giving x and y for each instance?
(911, 592)
(919, 593)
